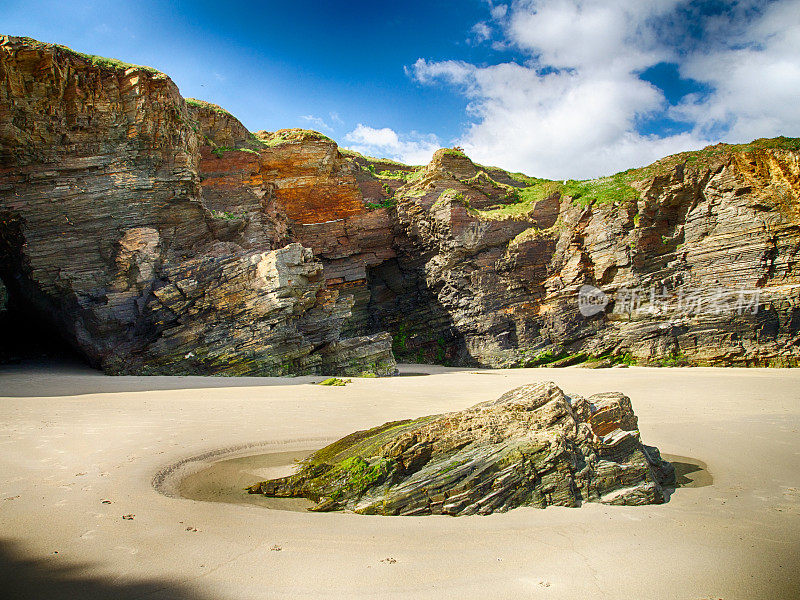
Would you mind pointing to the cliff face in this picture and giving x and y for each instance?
(107, 235)
(694, 260)
(157, 234)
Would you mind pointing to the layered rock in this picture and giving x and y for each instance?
(106, 233)
(703, 248)
(533, 446)
(112, 187)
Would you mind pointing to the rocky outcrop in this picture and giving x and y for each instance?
(108, 233)
(696, 256)
(115, 190)
(533, 446)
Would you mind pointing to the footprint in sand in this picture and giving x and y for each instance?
(127, 549)
(89, 534)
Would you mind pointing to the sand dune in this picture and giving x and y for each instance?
(79, 450)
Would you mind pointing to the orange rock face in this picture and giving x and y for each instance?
(313, 183)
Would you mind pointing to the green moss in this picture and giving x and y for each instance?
(353, 476)
(400, 339)
(334, 381)
(229, 216)
(674, 359)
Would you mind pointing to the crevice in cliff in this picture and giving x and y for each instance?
(422, 330)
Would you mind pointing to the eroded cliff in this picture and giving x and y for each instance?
(107, 235)
(158, 234)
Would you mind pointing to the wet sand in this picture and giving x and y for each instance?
(78, 451)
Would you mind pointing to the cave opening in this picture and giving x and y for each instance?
(26, 332)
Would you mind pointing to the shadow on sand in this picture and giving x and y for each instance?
(65, 377)
(23, 578)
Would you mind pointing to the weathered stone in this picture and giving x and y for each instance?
(107, 233)
(533, 446)
(113, 189)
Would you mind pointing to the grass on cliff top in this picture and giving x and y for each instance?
(617, 188)
(208, 105)
(290, 136)
(95, 60)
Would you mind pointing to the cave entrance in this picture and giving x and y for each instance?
(422, 330)
(25, 332)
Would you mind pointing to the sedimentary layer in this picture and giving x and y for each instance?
(136, 224)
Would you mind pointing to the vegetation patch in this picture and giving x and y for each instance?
(291, 136)
(194, 102)
(335, 381)
(618, 188)
(388, 202)
(228, 216)
(93, 59)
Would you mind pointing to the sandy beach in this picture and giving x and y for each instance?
(80, 450)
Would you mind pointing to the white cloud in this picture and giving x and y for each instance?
(755, 76)
(317, 122)
(412, 148)
(481, 32)
(571, 107)
(499, 11)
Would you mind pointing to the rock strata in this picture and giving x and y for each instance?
(141, 228)
(533, 446)
(115, 190)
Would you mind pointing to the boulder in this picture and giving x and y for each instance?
(533, 446)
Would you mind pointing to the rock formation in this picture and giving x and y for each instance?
(106, 233)
(137, 225)
(533, 446)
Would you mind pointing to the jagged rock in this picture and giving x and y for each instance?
(108, 235)
(112, 186)
(533, 446)
(501, 276)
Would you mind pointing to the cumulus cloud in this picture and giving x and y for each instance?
(571, 106)
(413, 148)
(755, 75)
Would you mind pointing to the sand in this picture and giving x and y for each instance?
(78, 451)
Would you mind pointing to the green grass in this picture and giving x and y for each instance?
(349, 153)
(95, 60)
(220, 150)
(387, 203)
(399, 174)
(194, 102)
(290, 136)
(450, 194)
(453, 152)
(618, 188)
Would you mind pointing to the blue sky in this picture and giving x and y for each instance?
(557, 88)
